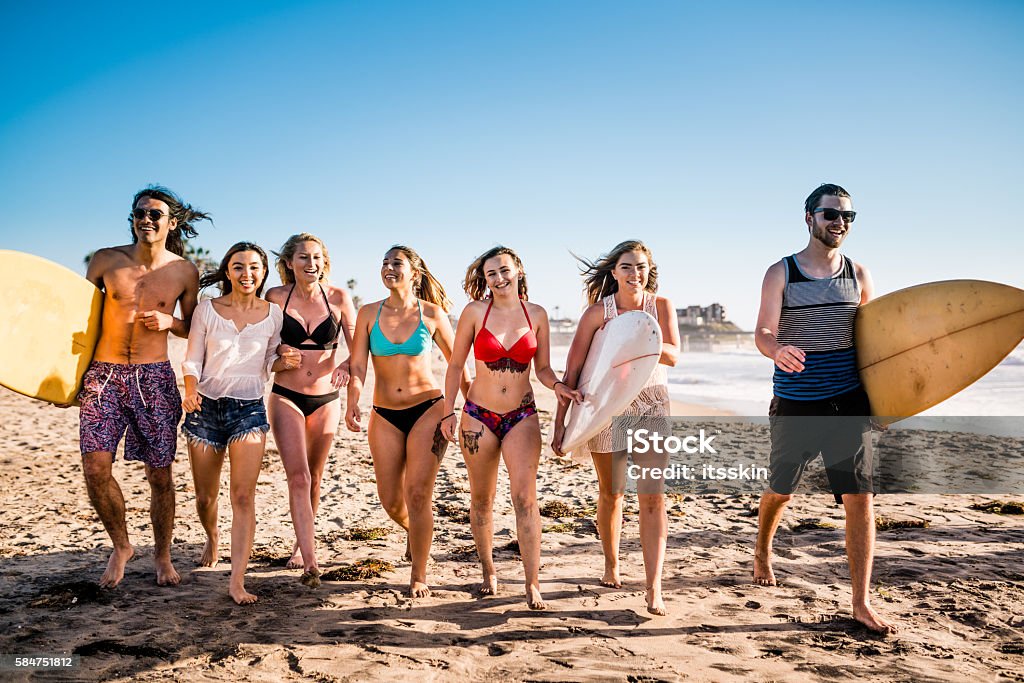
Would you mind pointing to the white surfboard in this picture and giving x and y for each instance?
(621, 359)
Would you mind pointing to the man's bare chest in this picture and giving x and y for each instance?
(141, 289)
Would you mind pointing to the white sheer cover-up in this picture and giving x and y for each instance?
(228, 362)
(652, 402)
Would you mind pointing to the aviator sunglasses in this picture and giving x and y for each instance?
(154, 214)
(832, 214)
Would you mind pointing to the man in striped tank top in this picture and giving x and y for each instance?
(805, 325)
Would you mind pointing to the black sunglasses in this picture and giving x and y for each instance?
(154, 214)
(832, 214)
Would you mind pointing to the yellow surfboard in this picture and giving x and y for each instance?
(49, 326)
(920, 345)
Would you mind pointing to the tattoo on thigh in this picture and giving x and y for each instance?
(471, 440)
(440, 445)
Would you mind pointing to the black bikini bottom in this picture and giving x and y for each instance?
(404, 418)
(305, 402)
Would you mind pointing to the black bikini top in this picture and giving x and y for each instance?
(323, 338)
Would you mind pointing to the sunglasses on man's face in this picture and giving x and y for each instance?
(154, 214)
(832, 214)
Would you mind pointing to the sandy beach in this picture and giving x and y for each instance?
(955, 586)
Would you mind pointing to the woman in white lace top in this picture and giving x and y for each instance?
(625, 279)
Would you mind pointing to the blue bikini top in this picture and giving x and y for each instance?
(419, 342)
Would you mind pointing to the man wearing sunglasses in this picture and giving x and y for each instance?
(805, 325)
(130, 386)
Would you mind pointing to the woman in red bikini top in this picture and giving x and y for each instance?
(499, 419)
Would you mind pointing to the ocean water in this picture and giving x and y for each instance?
(740, 380)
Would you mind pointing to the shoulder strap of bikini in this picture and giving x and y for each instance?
(327, 302)
(528, 321)
(484, 323)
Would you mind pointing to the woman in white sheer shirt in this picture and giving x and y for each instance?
(232, 349)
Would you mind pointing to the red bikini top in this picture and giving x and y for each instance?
(487, 348)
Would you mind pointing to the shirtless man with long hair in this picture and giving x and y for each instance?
(130, 384)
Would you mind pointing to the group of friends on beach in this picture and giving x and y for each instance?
(294, 332)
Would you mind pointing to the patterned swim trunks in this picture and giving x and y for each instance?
(143, 399)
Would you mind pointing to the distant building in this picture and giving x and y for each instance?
(561, 331)
(564, 325)
(698, 316)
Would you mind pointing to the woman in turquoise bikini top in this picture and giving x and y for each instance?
(403, 429)
(418, 343)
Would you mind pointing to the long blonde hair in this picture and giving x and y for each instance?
(288, 252)
(475, 283)
(598, 281)
(426, 286)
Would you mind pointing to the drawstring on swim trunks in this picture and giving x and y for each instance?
(139, 385)
(103, 386)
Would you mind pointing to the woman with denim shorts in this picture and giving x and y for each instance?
(232, 349)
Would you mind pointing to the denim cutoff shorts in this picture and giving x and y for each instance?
(223, 420)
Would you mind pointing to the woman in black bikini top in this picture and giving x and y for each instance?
(303, 408)
(323, 338)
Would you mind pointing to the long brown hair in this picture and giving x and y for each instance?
(426, 286)
(288, 252)
(598, 281)
(475, 283)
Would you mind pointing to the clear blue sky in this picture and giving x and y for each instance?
(550, 126)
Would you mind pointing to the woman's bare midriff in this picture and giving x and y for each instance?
(402, 381)
(313, 376)
(499, 391)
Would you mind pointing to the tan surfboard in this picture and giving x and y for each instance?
(920, 345)
(49, 325)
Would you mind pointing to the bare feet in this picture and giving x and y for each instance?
(241, 596)
(210, 550)
(295, 561)
(533, 598)
(310, 577)
(115, 567)
(489, 586)
(611, 578)
(166, 574)
(655, 604)
(869, 617)
(418, 589)
(763, 574)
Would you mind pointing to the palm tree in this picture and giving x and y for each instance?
(356, 299)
